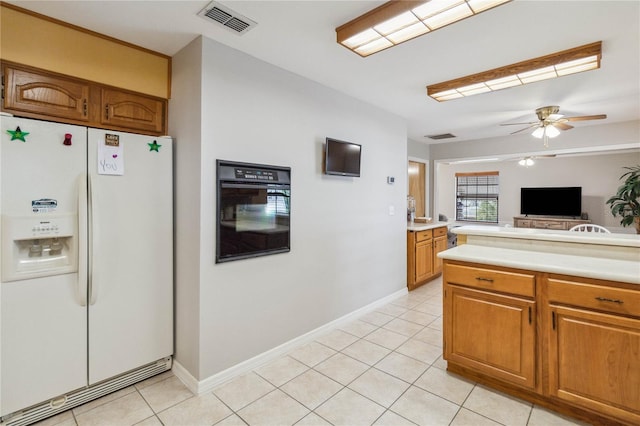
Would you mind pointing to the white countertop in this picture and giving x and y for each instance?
(424, 226)
(627, 240)
(627, 271)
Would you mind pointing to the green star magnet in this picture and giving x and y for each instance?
(154, 146)
(18, 134)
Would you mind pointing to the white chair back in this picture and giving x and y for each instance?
(587, 227)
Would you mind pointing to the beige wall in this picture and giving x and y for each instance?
(44, 43)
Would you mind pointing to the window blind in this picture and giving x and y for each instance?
(477, 197)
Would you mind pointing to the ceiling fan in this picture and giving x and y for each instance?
(550, 123)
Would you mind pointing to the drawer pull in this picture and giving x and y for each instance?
(604, 299)
(489, 280)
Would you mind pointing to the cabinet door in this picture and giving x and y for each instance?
(439, 244)
(45, 95)
(491, 334)
(132, 112)
(424, 260)
(594, 361)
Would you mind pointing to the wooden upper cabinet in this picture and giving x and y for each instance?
(37, 93)
(132, 111)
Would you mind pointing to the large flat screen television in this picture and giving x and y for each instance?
(551, 201)
(342, 158)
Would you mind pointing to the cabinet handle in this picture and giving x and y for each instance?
(84, 107)
(553, 320)
(529, 314)
(604, 299)
(106, 111)
(489, 280)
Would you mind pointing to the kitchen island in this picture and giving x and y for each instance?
(552, 317)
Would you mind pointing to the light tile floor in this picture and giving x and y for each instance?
(384, 368)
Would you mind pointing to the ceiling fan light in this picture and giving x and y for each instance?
(373, 47)
(538, 133)
(527, 162)
(551, 131)
(408, 33)
(397, 23)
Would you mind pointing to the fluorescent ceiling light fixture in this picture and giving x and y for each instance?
(571, 61)
(397, 21)
(474, 160)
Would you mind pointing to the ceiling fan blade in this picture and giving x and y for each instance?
(562, 126)
(519, 124)
(526, 128)
(587, 117)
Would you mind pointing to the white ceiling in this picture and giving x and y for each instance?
(299, 36)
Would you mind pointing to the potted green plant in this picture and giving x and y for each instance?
(626, 202)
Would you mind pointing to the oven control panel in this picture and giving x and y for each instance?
(255, 174)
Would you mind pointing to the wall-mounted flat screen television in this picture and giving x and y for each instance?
(342, 158)
(551, 201)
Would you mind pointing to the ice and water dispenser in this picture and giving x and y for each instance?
(36, 246)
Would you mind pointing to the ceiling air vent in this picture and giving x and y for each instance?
(229, 19)
(442, 136)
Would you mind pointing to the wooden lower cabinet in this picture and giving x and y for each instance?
(423, 247)
(567, 343)
(492, 333)
(424, 260)
(594, 361)
(439, 244)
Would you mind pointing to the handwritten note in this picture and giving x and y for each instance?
(111, 155)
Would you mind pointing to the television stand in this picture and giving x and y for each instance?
(547, 222)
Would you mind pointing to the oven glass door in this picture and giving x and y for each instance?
(253, 220)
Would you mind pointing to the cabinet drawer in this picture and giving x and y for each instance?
(591, 296)
(490, 279)
(439, 232)
(546, 224)
(521, 223)
(423, 235)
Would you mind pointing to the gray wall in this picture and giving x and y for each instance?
(346, 249)
(184, 125)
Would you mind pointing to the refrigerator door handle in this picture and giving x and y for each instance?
(93, 239)
(82, 240)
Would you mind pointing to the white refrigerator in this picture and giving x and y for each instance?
(86, 290)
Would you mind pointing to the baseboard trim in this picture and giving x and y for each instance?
(208, 384)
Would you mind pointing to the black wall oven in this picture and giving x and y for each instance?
(253, 210)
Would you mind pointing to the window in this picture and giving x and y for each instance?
(477, 197)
